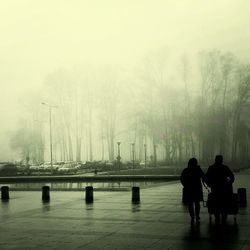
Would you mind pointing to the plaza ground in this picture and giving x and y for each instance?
(112, 221)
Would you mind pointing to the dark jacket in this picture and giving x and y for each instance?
(220, 179)
(191, 180)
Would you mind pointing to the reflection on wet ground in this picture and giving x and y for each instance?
(71, 186)
(112, 221)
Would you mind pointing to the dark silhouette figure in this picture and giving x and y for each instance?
(220, 179)
(191, 178)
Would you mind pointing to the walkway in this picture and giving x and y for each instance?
(160, 221)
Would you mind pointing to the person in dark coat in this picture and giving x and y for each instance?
(191, 178)
(220, 179)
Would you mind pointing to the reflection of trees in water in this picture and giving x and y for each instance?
(79, 185)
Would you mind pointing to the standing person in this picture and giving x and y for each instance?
(220, 179)
(191, 178)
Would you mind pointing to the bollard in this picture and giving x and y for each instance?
(242, 196)
(89, 194)
(45, 193)
(5, 193)
(135, 194)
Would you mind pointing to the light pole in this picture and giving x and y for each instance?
(155, 155)
(50, 134)
(145, 148)
(119, 155)
(133, 154)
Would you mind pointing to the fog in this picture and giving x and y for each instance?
(171, 75)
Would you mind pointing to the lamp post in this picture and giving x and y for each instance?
(119, 155)
(133, 154)
(50, 133)
(145, 151)
(155, 155)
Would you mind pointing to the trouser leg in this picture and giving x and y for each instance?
(224, 218)
(217, 217)
(197, 209)
(191, 209)
(217, 207)
(227, 202)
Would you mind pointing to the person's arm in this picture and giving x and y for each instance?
(207, 177)
(183, 177)
(202, 175)
(230, 175)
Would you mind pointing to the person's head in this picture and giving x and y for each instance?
(219, 159)
(192, 162)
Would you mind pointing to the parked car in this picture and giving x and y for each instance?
(142, 164)
(63, 170)
(77, 167)
(34, 167)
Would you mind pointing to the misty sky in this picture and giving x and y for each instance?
(38, 37)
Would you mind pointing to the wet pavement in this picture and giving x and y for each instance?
(159, 221)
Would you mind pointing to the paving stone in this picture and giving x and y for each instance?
(159, 221)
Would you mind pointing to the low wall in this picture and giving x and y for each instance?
(113, 178)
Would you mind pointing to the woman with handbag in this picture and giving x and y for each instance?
(191, 179)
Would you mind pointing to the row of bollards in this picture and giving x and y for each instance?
(89, 193)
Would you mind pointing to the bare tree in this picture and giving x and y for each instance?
(242, 98)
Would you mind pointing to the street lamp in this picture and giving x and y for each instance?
(119, 155)
(50, 133)
(155, 155)
(133, 154)
(145, 151)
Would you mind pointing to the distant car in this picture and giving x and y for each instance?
(46, 167)
(59, 163)
(41, 167)
(34, 167)
(109, 163)
(63, 169)
(77, 167)
(142, 163)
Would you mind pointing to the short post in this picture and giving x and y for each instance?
(5, 193)
(135, 194)
(145, 154)
(45, 193)
(155, 156)
(89, 194)
(133, 154)
(242, 196)
(119, 156)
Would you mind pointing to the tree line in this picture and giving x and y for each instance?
(198, 108)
